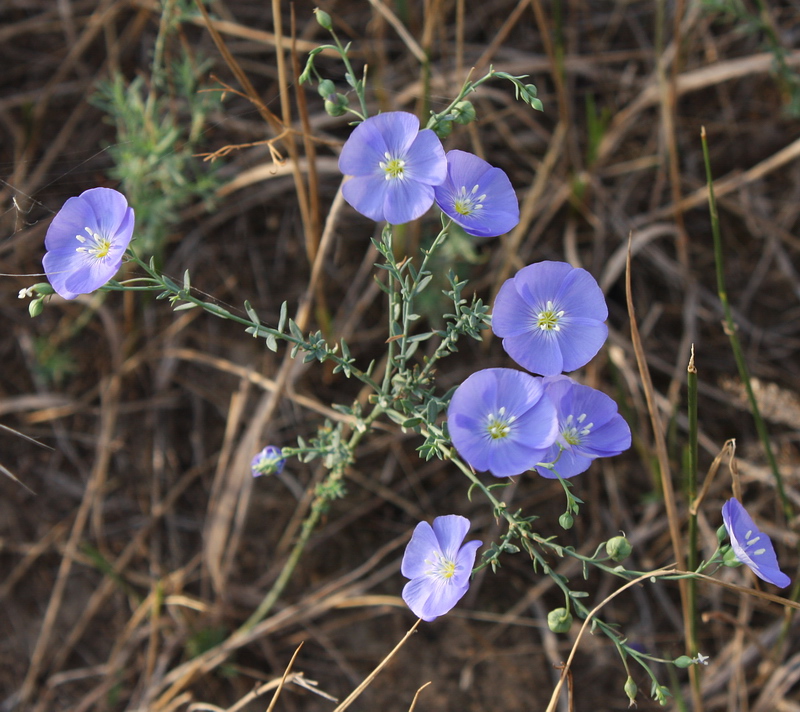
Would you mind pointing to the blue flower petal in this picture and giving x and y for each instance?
(422, 547)
(406, 200)
(438, 565)
(394, 165)
(500, 421)
(751, 546)
(550, 317)
(450, 531)
(426, 160)
(368, 193)
(589, 427)
(86, 241)
(477, 196)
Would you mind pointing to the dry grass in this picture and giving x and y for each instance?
(147, 541)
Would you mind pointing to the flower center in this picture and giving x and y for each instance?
(96, 246)
(468, 203)
(548, 318)
(574, 431)
(393, 167)
(498, 425)
(442, 567)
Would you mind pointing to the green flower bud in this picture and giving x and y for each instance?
(443, 128)
(566, 520)
(631, 688)
(464, 113)
(559, 620)
(618, 548)
(36, 307)
(722, 534)
(323, 18)
(729, 557)
(336, 104)
(43, 288)
(683, 661)
(326, 88)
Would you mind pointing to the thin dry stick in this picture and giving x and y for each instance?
(291, 146)
(242, 78)
(363, 686)
(400, 29)
(728, 450)
(661, 448)
(109, 409)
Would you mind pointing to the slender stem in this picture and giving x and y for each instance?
(162, 284)
(731, 329)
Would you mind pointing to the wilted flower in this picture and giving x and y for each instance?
(86, 241)
(500, 420)
(550, 316)
(477, 196)
(751, 546)
(438, 565)
(589, 427)
(269, 461)
(394, 167)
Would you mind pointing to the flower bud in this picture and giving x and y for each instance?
(559, 620)
(269, 461)
(722, 534)
(336, 104)
(566, 520)
(443, 128)
(323, 18)
(683, 661)
(631, 688)
(464, 112)
(36, 307)
(729, 557)
(618, 548)
(326, 88)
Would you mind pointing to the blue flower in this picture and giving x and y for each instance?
(589, 427)
(751, 546)
(550, 316)
(438, 565)
(86, 241)
(394, 167)
(269, 461)
(500, 420)
(477, 196)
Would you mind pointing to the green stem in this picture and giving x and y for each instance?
(731, 329)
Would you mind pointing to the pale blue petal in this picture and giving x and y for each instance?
(759, 555)
(363, 152)
(367, 194)
(465, 562)
(429, 598)
(609, 439)
(399, 130)
(537, 350)
(569, 464)
(406, 200)
(512, 315)
(580, 340)
(450, 531)
(72, 220)
(425, 159)
(423, 547)
(110, 209)
(580, 295)
(59, 265)
(541, 282)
